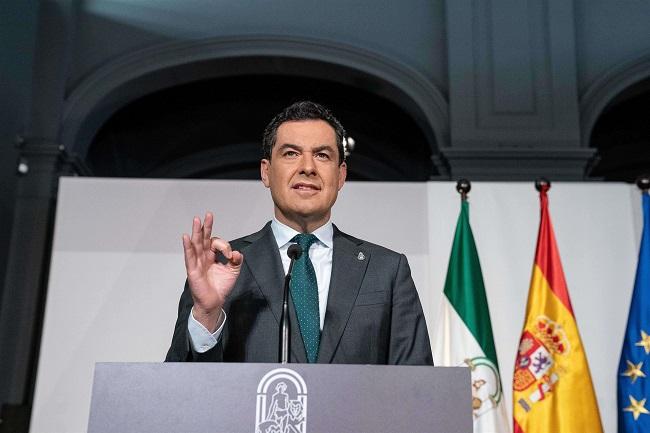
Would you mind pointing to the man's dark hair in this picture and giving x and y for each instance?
(303, 110)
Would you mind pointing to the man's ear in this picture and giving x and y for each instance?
(265, 165)
(343, 173)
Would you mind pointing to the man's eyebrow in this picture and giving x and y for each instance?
(324, 147)
(289, 146)
(300, 148)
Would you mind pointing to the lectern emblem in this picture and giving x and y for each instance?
(281, 403)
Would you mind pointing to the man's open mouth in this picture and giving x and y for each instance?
(306, 187)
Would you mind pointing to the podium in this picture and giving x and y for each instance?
(279, 398)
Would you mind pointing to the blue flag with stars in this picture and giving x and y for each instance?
(633, 367)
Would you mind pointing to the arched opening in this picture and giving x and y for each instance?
(621, 135)
(400, 117)
(212, 128)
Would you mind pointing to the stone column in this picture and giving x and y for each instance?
(513, 93)
(40, 162)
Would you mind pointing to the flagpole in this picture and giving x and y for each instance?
(542, 184)
(463, 186)
(643, 182)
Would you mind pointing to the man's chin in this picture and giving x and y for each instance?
(308, 214)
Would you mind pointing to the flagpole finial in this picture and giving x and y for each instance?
(643, 182)
(542, 184)
(463, 186)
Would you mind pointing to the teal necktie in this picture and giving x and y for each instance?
(304, 291)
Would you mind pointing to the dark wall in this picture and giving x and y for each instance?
(18, 23)
(17, 41)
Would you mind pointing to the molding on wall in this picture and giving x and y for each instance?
(606, 88)
(502, 100)
(518, 164)
(513, 91)
(138, 73)
(512, 73)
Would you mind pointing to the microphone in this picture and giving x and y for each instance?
(294, 252)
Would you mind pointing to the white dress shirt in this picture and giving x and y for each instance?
(320, 254)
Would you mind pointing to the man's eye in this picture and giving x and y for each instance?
(323, 155)
(290, 153)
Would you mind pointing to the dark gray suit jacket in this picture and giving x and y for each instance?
(373, 311)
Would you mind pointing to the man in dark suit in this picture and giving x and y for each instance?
(352, 301)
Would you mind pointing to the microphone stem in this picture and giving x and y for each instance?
(285, 329)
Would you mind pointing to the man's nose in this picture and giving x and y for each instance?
(308, 166)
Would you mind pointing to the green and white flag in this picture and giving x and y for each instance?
(464, 332)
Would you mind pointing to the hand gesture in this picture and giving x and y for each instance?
(209, 280)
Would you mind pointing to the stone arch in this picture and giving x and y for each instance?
(139, 73)
(606, 88)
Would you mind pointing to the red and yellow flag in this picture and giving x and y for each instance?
(552, 390)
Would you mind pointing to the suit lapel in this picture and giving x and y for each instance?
(262, 258)
(349, 263)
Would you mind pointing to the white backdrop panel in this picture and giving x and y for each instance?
(597, 227)
(117, 267)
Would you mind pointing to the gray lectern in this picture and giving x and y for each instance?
(279, 398)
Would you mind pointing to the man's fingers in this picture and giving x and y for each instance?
(237, 259)
(188, 253)
(210, 254)
(218, 244)
(207, 226)
(197, 234)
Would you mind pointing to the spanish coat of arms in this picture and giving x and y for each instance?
(542, 349)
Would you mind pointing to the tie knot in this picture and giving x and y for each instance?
(304, 240)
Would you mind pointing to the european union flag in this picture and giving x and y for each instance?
(633, 371)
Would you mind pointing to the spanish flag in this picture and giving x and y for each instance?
(552, 390)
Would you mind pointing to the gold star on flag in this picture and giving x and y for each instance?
(636, 407)
(633, 371)
(645, 342)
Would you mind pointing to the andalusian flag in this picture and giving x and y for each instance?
(633, 373)
(552, 390)
(465, 332)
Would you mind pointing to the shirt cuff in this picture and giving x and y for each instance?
(202, 340)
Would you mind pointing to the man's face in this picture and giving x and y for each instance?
(304, 174)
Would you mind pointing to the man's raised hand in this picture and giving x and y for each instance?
(210, 281)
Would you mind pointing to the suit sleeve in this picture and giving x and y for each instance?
(409, 338)
(181, 348)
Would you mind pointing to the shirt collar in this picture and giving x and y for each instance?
(283, 233)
